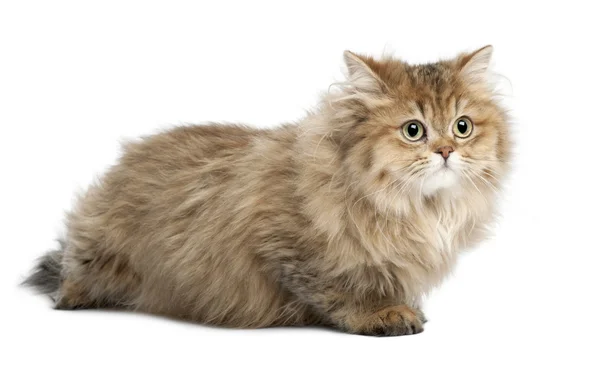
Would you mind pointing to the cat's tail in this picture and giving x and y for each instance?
(45, 277)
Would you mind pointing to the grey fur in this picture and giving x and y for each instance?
(46, 276)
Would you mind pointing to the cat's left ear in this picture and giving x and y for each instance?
(474, 66)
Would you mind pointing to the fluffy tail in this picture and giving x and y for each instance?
(45, 277)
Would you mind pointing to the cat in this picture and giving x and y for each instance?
(346, 219)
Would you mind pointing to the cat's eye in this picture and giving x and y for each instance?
(413, 130)
(463, 127)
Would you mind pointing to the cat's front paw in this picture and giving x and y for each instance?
(391, 321)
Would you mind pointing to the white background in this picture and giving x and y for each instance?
(77, 77)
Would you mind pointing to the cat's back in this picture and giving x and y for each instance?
(184, 168)
(189, 146)
(155, 178)
(163, 169)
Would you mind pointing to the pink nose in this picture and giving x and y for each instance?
(445, 151)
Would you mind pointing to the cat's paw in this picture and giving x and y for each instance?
(392, 321)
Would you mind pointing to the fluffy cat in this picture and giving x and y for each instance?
(346, 218)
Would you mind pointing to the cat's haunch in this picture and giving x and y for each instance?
(346, 218)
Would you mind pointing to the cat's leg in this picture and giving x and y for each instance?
(394, 320)
(93, 277)
(417, 306)
(71, 295)
(371, 314)
(421, 314)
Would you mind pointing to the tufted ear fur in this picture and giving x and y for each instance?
(473, 67)
(361, 76)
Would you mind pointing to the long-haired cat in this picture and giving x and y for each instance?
(346, 218)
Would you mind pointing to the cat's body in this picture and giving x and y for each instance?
(320, 222)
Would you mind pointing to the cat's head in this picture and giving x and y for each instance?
(421, 130)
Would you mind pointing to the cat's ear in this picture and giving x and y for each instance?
(474, 66)
(361, 74)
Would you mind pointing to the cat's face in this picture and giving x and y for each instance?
(426, 130)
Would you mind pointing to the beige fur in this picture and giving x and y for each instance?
(336, 220)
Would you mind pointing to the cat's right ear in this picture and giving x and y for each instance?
(361, 74)
(474, 66)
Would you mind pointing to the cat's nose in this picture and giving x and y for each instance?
(445, 151)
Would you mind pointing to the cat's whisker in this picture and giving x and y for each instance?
(370, 194)
(483, 180)
(476, 161)
(488, 183)
(412, 176)
(476, 187)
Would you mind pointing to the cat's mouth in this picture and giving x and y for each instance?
(441, 178)
(446, 166)
(447, 170)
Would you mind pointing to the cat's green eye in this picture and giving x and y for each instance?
(413, 130)
(463, 127)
